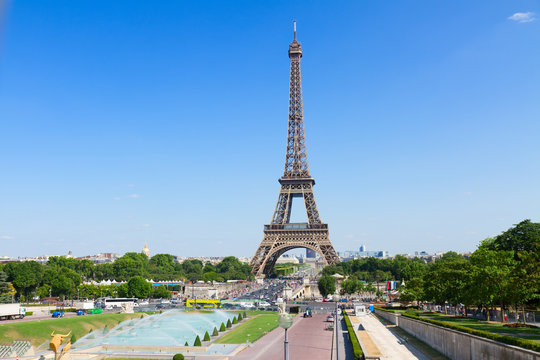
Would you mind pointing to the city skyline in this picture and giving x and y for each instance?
(126, 125)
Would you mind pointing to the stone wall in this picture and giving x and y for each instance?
(457, 345)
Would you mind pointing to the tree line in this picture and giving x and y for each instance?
(64, 277)
(504, 272)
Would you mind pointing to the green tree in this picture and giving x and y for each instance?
(123, 290)
(215, 332)
(138, 287)
(62, 286)
(235, 320)
(25, 276)
(447, 280)
(210, 276)
(179, 356)
(524, 236)
(197, 341)
(208, 267)
(162, 263)
(229, 323)
(222, 327)
(161, 292)
(413, 290)
(130, 265)
(5, 296)
(206, 336)
(327, 285)
(491, 277)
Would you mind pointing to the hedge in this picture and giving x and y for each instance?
(357, 349)
(527, 344)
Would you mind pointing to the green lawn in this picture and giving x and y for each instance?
(40, 330)
(497, 328)
(251, 329)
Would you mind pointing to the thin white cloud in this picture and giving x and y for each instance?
(6, 237)
(116, 198)
(146, 225)
(134, 196)
(522, 17)
(130, 185)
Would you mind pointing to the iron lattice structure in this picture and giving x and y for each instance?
(282, 235)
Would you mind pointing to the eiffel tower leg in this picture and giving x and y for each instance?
(278, 241)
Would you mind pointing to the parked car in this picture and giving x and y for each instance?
(330, 318)
(80, 312)
(58, 314)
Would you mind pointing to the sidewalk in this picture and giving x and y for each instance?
(389, 345)
(307, 340)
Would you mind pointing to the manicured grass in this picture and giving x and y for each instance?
(492, 327)
(496, 328)
(251, 329)
(40, 330)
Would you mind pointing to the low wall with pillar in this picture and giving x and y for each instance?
(458, 345)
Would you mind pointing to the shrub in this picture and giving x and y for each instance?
(234, 320)
(527, 344)
(178, 357)
(239, 316)
(197, 341)
(206, 336)
(229, 323)
(222, 327)
(357, 349)
(244, 315)
(215, 333)
(186, 344)
(73, 338)
(29, 313)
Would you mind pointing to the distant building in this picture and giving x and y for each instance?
(101, 258)
(146, 251)
(311, 254)
(363, 248)
(349, 255)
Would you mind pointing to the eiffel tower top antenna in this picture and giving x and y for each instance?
(294, 22)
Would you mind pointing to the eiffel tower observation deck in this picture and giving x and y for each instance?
(281, 235)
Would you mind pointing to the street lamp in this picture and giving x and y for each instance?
(285, 321)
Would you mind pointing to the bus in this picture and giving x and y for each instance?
(203, 303)
(111, 303)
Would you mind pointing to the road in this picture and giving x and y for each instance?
(35, 318)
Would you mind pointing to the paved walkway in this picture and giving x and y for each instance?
(308, 340)
(389, 345)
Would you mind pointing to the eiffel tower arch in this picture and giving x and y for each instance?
(281, 235)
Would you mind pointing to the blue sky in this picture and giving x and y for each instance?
(129, 122)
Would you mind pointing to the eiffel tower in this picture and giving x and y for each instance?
(281, 235)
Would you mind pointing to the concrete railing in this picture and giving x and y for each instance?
(456, 344)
